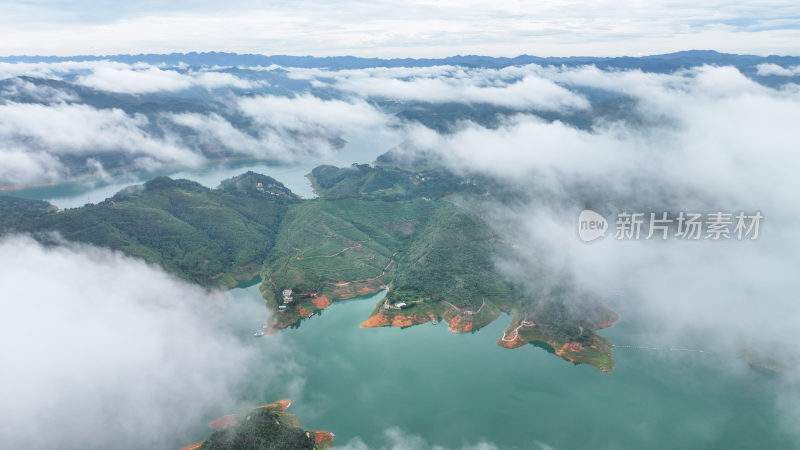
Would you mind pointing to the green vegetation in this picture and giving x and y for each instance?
(12, 206)
(390, 183)
(208, 236)
(417, 233)
(266, 427)
(340, 240)
(260, 429)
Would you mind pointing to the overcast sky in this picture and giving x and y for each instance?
(413, 28)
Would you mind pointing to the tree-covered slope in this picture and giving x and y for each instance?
(208, 236)
(265, 427)
(11, 206)
(419, 234)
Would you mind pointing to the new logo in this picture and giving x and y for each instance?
(591, 225)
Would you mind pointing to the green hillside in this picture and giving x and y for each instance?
(265, 427)
(208, 236)
(418, 234)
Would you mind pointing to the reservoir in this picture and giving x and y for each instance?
(426, 386)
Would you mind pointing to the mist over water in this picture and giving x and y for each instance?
(704, 139)
(361, 147)
(425, 386)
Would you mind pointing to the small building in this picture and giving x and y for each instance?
(400, 305)
(287, 295)
(281, 307)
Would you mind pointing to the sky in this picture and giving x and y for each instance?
(414, 28)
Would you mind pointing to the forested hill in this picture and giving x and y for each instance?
(207, 236)
(419, 233)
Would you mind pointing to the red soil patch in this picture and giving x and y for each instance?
(376, 320)
(304, 312)
(193, 446)
(280, 405)
(223, 422)
(409, 320)
(321, 437)
(517, 342)
(566, 349)
(342, 294)
(321, 301)
(458, 324)
(396, 320)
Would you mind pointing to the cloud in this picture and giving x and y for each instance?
(18, 88)
(137, 78)
(515, 88)
(703, 140)
(709, 139)
(289, 129)
(131, 80)
(35, 139)
(22, 167)
(47, 135)
(706, 130)
(776, 70)
(109, 352)
(305, 111)
(396, 439)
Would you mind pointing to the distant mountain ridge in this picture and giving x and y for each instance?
(651, 63)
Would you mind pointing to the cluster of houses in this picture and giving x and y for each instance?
(287, 297)
(268, 189)
(398, 305)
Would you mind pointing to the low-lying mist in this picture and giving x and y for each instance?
(100, 350)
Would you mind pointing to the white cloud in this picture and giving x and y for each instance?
(495, 87)
(131, 80)
(21, 167)
(31, 133)
(290, 129)
(103, 351)
(397, 439)
(40, 143)
(711, 140)
(708, 128)
(41, 94)
(774, 69)
(138, 78)
(305, 111)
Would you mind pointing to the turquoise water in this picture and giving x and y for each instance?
(453, 389)
(456, 389)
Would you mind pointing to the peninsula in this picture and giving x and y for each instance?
(418, 232)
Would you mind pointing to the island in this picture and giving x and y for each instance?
(419, 232)
(266, 426)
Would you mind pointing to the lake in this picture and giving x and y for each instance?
(441, 388)
(452, 389)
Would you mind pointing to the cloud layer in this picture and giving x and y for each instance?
(707, 139)
(103, 351)
(51, 131)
